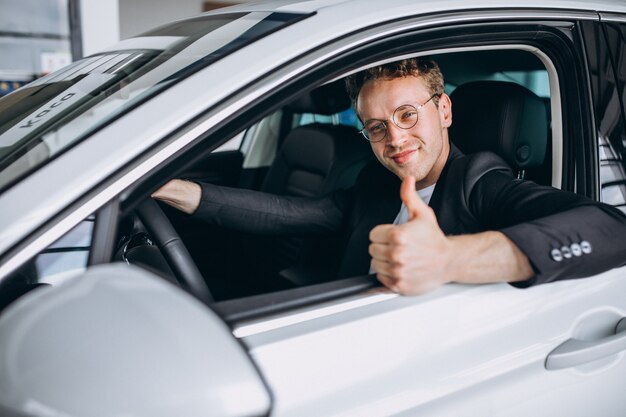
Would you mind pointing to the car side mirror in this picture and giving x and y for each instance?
(120, 341)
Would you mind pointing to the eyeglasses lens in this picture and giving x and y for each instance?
(405, 116)
(375, 131)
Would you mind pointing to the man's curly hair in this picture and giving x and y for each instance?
(422, 67)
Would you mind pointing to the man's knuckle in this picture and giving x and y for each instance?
(396, 257)
(396, 236)
(396, 270)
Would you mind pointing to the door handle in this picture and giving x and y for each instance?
(574, 352)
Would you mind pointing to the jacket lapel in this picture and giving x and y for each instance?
(440, 199)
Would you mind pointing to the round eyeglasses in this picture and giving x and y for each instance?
(405, 117)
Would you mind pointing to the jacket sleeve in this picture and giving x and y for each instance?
(261, 213)
(564, 235)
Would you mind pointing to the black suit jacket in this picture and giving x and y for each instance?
(475, 193)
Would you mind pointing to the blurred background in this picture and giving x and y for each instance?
(40, 36)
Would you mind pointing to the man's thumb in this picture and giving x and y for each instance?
(414, 204)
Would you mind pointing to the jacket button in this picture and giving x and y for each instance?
(576, 249)
(556, 255)
(585, 247)
(566, 252)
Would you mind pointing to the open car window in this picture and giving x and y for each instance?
(276, 264)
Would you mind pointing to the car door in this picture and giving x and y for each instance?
(489, 350)
(461, 351)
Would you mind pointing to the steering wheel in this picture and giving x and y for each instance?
(174, 250)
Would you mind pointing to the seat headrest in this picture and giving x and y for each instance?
(327, 99)
(501, 117)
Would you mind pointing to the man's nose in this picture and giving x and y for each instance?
(395, 135)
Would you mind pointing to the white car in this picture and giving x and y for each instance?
(256, 326)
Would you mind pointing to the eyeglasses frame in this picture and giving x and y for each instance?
(384, 122)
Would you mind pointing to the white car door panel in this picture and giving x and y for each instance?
(460, 351)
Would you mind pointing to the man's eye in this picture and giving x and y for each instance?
(408, 115)
(376, 128)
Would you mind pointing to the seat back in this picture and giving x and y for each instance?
(313, 160)
(316, 159)
(502, 117)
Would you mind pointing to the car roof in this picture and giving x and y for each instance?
(399, 7)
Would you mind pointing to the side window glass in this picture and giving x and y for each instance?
(310, 118)
(536, 81)
(59, 262)
(347, 117)
(612, 176)
(511, 66)
(232, 144)
(65, 258)
(610, 98)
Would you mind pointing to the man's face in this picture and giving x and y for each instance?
(420, 151)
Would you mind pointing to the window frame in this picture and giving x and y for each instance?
(602, 68)
(538, 36)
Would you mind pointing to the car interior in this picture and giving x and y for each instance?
(319, 150)
(308, 147)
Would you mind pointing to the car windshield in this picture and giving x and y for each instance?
(53, 113)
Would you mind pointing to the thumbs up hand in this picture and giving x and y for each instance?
(414, 204)
(411, 258)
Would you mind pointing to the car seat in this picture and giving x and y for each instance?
(505, 118)
(313, 160)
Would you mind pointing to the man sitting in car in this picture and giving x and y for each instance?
(461, 218)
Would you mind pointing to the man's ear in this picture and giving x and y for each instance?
(445, 110)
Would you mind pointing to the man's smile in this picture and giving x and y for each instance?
(403, 157)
